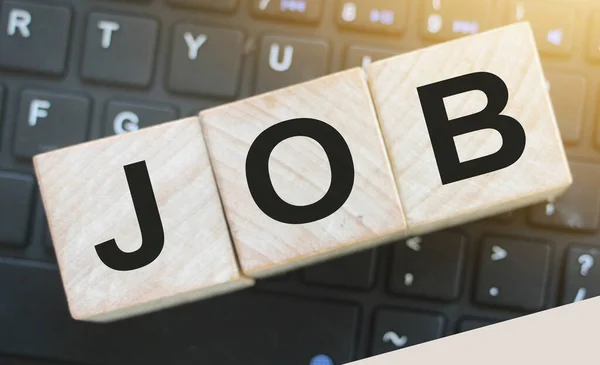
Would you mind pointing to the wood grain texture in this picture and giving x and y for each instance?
(87, 202)
(540, 173)
(300, 173)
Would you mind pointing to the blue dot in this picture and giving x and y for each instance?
(321, 360)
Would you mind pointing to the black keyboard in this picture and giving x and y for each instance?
(75, 70)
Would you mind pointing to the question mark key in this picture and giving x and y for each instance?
(582, 274)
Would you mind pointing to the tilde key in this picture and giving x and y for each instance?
(201, 206)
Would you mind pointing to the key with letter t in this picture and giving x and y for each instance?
(136, 222)
(469, 127)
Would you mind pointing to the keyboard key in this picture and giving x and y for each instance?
(239, 328)
(594, 38)
(513, 272)
(582, 274)
(277, 278)
(396, 329)
(47, 238)
(119, 49)
(357, 56)
(597, 129)
(505, 218)
(206, 60)
(226, 6)
(16, 191)
(448, 19)
(1, 101)
(49, 120)
(553, 24)
(123, 117)
(373, 15)
(430, 266)
(34, 36)
(286, 61)
(578, 208)
(355, 271)
(308, 11)
(568, 95)
(471, 324)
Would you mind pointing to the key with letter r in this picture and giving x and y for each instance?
(34, 36)
(470, 128)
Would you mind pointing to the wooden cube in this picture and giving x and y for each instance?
(136, 222)
(451, 167)
(275, 156)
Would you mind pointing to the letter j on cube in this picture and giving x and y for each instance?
(137, 223)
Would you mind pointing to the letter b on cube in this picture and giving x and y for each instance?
(469, 128)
